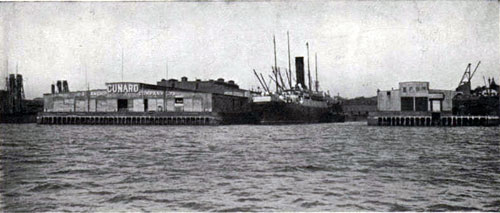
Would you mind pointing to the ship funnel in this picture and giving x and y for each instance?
(299, 70)
(65, 86)
(53, 88)
(59, 87)
(12, 82)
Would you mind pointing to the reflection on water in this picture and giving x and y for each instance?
(342, 167)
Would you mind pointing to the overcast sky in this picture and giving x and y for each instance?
(362, 46)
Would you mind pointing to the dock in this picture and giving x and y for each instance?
(143, 118)
(129, 118)
(430, 121)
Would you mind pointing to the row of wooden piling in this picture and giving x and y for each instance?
(443, 121)
(127, 120)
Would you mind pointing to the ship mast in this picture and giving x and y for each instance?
(289, 63)
(308, 67)
(275, 64)
(7, 77)
(316, 66)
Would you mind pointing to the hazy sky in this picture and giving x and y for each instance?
(361, 45)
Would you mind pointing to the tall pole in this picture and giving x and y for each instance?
(308, 67)
(86, 76)
(7, 77)
(88, 87)
(275, 64)
(122, 64)
(316, 66)
(289, 63)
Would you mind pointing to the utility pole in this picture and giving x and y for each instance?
(122, 64)
(86, 75)
(88, 87)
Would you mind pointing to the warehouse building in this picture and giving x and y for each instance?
(415, 104)
(415, 97)
(140, 99)
(218, 86)
(357, 109)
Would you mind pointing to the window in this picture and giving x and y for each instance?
(122, 105)
(411, 89)
(424, 88)
(179, 100)
(406, 103)
(404, 89)
(421, 104)
(417, 88)
(388, 93)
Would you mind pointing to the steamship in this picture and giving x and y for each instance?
(14, 108)
(294, 104)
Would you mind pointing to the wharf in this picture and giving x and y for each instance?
(141, 118)
(450, 120)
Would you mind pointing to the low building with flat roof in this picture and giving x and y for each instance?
(358, 109)
(140, 99)
(415, 104)
(219, 86)
(415, 97)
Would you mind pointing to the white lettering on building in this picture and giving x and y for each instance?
(123, 88)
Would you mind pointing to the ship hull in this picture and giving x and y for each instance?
(18, 118)
(276, 112)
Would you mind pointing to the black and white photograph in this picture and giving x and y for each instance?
(250, 106)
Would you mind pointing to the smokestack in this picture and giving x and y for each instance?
(299, 71)
(12, 82)
(65, 86)
(19, 86)
(53, 88)
(59, 87)
(19, 82)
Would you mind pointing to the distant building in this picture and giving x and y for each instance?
(415, 104)
(484, 100)
(415, 98)
(357, 109)
(218, 86)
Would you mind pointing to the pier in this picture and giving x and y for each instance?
(429, 121)
(129, 119)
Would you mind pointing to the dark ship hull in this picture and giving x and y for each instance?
(277, 112)
(476, 105)
(18, 118)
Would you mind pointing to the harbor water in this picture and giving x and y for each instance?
(317, 167)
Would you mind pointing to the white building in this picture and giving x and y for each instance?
(415, 96)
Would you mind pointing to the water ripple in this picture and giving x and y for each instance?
(320, 167)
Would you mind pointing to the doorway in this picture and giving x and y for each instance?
(122, 105)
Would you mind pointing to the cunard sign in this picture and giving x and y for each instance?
(123, 88)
